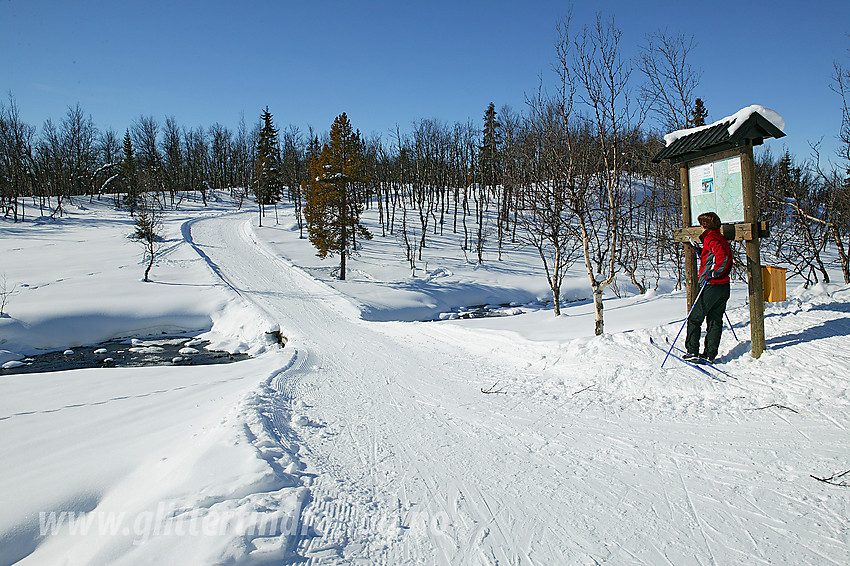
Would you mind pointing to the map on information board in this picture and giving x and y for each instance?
(717, 187)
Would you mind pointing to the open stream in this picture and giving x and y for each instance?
(129, 352)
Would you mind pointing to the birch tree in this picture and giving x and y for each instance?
(603, 81)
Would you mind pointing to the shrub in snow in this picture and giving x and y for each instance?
(5, 291)
(148, 231)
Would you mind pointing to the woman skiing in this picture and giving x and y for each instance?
(715, 255)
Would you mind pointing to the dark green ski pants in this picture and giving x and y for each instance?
(710, 306)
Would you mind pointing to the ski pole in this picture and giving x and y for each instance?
(732, 328)
(686, 322)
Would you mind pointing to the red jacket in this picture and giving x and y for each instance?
(715, 258)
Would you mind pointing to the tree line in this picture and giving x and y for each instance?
(570, 175)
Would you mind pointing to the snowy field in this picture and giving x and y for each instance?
(368, 440)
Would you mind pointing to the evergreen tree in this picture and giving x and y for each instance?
(489, 155)
(128, 172)
(267, 175)
(699, 113)
(786, 168)
(489, 167)
(332, 209)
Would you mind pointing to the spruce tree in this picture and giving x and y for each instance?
(699, 113)
(489, 166)
(489, 155)
(128, 172)
(332, 209)
(267, 175)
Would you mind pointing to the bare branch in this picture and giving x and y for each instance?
(588, 388)
(776, 405)
(493, 389)
(834, 479)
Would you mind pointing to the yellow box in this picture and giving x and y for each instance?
(773, 280)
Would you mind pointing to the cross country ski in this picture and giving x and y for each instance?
(699, 367)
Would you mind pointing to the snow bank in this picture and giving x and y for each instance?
(148, 464)
(158, 464)
(95, 293)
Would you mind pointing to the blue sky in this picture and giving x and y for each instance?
(388, 63)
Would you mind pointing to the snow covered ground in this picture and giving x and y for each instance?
(368, 438)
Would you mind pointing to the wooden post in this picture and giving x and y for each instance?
(690, 256)
(754, 279)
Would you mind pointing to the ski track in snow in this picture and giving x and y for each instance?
(584, 459)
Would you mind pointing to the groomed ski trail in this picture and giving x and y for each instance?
(407, 462)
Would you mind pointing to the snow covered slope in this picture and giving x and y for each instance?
(372, 442)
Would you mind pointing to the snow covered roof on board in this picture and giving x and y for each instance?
(753, 123)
